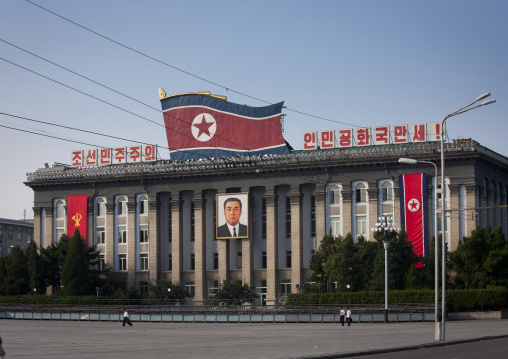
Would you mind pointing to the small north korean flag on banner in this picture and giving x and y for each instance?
(77, 207)
(413, 211)
(201, 126)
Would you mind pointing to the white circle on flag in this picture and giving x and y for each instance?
(203, 127)
(413, 205)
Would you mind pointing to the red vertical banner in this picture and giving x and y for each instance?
(77, 207)
(413, 211)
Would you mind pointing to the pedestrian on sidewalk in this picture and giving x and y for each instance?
(348, 317)
(126, 318)
(342, 313)
(2, 352)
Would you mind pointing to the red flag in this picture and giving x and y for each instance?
(77, 207)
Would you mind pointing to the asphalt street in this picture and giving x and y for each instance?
(77, 340)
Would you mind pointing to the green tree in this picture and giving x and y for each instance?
(3, 275)
(16, 278)
(234, 293)
(75, 274)
(166, 291)
(35, 269)
(317, 263)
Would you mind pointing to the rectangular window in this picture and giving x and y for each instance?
(143, 287)
(101, 235)
(143, 207)
(122, 262)
(170, 261)
(192, 261)
(239, 260)
(59, 233)
(361, 226)
(190, 289)
(143, 261)
(335, 226)
(143, 234)
(122, 208)
(263, 259)
(216, 260)
(122, 234)
(28, 237)
(288, 259)
(213, 287)
(361, 195)
(102, 262)
(334, 195)
(18, 236)
(285, 286)
(101, 208)
(288, 217)
(1, 235)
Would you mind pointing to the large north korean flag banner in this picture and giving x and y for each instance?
(201, 126)
(413, 211)
(76, 215)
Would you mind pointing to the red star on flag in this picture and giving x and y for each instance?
(204, 127)
(414, 205)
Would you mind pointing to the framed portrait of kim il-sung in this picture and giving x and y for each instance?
(232, 215)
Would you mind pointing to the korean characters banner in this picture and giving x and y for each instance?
(117, 155)
(376, 136)
(77, 207)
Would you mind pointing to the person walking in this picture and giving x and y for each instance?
(126, 318)
(348, 317)
(2, 352)
(342, 313)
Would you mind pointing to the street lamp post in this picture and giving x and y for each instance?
(443, 195)
(411, 161)
(384, 226)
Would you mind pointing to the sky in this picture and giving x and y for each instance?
(336, 64)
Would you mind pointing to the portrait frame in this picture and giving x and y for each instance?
(221, 229)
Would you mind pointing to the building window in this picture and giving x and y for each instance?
(239, 260)
(263, 217)
(361, 193)
(170, 261)
(288, 216)
(1, 235)
(335, 226)
(59, 233)
(122, 234)
(28, 237)
(101, 235)
(18, 236)
(190, 289)
(143, 205)
(101, 207)
(361, 226)
(143, 287)
(263, 259)
(285, 286)
(122, 206)
(102, 262)
(143, 261)
(387, 191)
(216, 260)
(122, 262)
(334, 195)
(213, 287)
(192, 261)
(143, 234)
(60, 209)
(288, 259)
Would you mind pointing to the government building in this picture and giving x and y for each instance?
(158, 220)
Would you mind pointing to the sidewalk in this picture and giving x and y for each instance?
(77, 340)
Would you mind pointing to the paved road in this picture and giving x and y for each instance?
(80, 340)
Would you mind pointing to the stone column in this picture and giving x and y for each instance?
(90, 230)
(37, 226)
(223, 251)
(110, 232)
(272, 248)
(131, 241)
(177, 239)
(247, 252)
(296, 238)
(454, 223)
(470, 215)
(346, 213)
(396, 201)
(199, 247)
(49, 225)
(321, 229)
(154, 246)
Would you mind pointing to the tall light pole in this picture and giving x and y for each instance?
(443, 195)
(411, 161)
(384, 225)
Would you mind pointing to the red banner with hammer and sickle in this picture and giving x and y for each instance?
(77, 207)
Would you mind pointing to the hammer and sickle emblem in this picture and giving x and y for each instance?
(76, 218)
